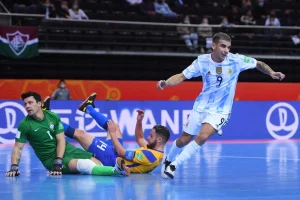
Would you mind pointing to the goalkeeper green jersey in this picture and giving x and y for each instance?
(41, 135)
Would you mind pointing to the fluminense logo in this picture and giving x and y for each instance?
(17, 41)
(282, 121)
(11, 113)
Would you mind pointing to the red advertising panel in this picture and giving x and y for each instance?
(145, 90)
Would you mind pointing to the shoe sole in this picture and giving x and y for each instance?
(86, 101)
(162, 172)
(45, 100)
(164, 176)
(169, 175)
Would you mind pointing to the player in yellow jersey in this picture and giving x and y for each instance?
(141, 160)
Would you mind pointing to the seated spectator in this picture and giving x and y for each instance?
(225, 22)
(62, 10)
(246, 5)
(248, 19)
(260, 10)
(272, 21)
(189, 35)
(205, 32)
(24, 6)
(76, 13)
(147, 7)
(289, 18)
(46, 8)
(234, 15)
(163, 8)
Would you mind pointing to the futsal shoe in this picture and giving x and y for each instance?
(89, 101)
(164, 166)
(170, 171)
(121, 168)
(46, 103)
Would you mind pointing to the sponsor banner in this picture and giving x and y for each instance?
(145, 90)
(18, 42)
(249, 120)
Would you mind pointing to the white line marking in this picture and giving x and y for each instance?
(264, 158)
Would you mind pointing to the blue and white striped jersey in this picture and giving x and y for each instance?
(219, 81)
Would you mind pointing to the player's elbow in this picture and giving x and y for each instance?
(182, 77)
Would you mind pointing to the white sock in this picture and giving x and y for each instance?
(187, 153)
(173, 152)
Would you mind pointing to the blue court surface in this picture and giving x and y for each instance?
(227, 171)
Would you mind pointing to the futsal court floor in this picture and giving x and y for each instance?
(232, 170)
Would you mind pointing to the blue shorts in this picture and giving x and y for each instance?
(104, 151)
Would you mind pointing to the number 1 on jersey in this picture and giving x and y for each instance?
(50, 135)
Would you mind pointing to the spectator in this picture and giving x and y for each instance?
(234, 15)
(289, 18)
(246, 5)
(205, 32)
(163, 8)
(63, 10)
(76, 13)
(46, 8)
(272, 20)
(61, 93)
(225, 22)
(189, 35)
(260, 10)
(147, 7)
(248, 19)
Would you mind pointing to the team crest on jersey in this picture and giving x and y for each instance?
(51, 126)
(229, 71)
(219, 70)
(139, 156)
(246, 59)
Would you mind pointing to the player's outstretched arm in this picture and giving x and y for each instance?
(139, 133)
(264, 68)
(15, 159)
(172, 81)
(112, 128)
(60, 150)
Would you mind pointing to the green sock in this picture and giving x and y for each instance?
(103, 171)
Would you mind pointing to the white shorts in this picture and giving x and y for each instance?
(196, 119)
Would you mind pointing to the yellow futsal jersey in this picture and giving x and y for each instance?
(144, 160)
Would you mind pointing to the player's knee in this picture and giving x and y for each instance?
(181, 142)
(201, 139)
(80, 134)
(85, 166)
